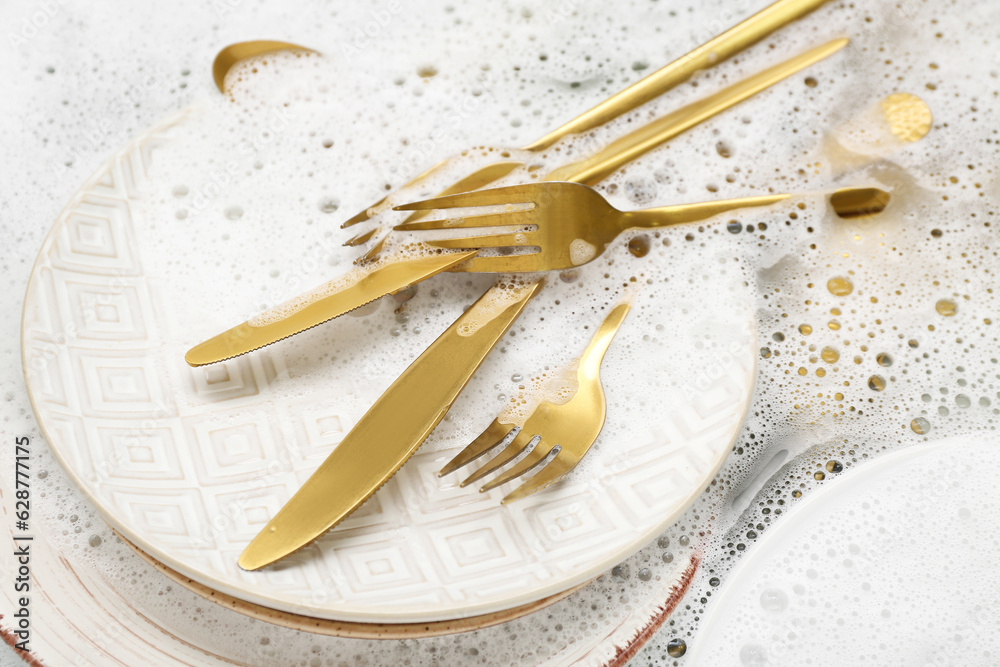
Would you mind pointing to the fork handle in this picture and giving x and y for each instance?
(729, 43)
(590, 362)
(665, 216)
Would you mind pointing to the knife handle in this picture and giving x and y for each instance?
(744, 34)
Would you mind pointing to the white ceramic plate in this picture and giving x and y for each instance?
(868, 567)
(189, 464)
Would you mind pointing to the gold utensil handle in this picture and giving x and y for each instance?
(679, 214)
(729, 43)
(599, 166)
(590, 361)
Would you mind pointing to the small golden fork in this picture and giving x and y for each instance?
(568, 428)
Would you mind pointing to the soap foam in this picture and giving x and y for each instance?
(800, 432)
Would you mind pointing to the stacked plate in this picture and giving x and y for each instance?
(188, 464)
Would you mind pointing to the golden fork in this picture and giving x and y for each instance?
(712, 52)
(569, 428)
(568, 224)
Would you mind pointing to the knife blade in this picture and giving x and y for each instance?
(331, 300)
(392, 429)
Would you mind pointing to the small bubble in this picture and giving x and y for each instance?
(920, 426)
(516, 377)
(876, 383)
(234, 213)
(883, 359)
(753, 655)
(676, 648)
(668, 557)
(713, 582)
(811, 82)
(180, 191)
(840, 286)
(734, 227)
(95, 540)
(778, 337)
(834, 466)
(829, 355)
(765, 352)
(329, 204)
(805, 329)
(645, 574)
(569, 276)
(639, 245)
(962, 401)
(946, 307)
(774, 599)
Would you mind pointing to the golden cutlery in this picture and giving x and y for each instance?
(252, 335)
(719, 48)
(339, 296)
(568, 224)
(568, 428)
(392, 429)
(408, 411)
(565, 225)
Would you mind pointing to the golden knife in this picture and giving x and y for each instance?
(322, 304)
(392, 429)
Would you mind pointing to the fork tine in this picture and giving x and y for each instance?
(361, 216)
(509, 219)
(534, 457)
(486, 441)
(510, 452)
(492, 197)
(362, 238)
(373, 252)
(553, 471)
(514, 240)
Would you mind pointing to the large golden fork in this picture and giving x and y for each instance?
(568, 224)
(712, 52)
